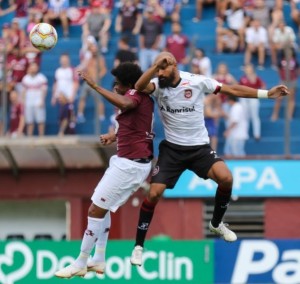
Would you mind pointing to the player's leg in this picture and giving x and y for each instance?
(40, 117)
(95, 227)
(29, 120)
(220, 173)
(165, 175)
(97, 263)
(145, 218)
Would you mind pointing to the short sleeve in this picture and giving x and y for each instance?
(134, 95)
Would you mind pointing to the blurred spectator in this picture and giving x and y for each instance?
(64, 92)
(295, 12)
(177, 43)
(36, 13)
(172, 9)
(31, 53)
(113, 122)
(248, 5)
(57, 10)
(97, 25)
(17, 68)
(261, 12)
(201, 63)
(95, 66)
(212, 112)
(16, 116)
(256, 42)
(35, 86)
(67, 117)
(283, 37)
(159, 12)
(21, 8)
(228, 41)
(223, 75)
(251, 107)
(288, 69)
(150, 39)
(277, 16)
(5, 47)
(6, 39)
(6, 11)
(17, 35)
(124, 53)
(235, 19)
(199, 8)
(84, 52)
(129, 21)
(236, 133)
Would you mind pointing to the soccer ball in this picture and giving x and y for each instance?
(43, 36)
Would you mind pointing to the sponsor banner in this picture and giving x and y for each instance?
(257, 261)
(252, 178)
(164, 262)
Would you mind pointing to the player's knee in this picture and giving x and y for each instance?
(96, 212)
(226, 181)
(154, 196)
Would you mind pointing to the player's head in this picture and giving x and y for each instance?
(126, 75)
(167, 73)
(33, 68)
(64, 60)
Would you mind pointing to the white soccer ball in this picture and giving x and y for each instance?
(43, 36)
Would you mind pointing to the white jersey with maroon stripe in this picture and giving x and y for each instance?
(35, 87)
(182, 108)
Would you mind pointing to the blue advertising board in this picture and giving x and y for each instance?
(257, 261)
(252, 178)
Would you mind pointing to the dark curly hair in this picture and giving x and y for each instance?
(127, 73)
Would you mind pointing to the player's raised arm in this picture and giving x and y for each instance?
(163, 60)
(247, 92)
(119, 101)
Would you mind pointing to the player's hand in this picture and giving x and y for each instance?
(106, 139)
(278, 91)
(87, 78)
(164, 62)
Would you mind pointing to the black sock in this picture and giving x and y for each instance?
(221, 203)
(146, 214)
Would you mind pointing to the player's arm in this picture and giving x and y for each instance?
(247, 92)
(143, 84)
(122, 102)
(108, 138)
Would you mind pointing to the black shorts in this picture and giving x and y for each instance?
(174, 159)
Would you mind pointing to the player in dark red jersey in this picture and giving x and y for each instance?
(127, 170)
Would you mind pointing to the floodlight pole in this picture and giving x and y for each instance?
(4, 93)
(287, 125)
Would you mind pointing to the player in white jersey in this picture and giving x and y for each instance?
(180, 99)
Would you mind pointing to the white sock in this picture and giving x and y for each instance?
(89, 239)
(99, 255)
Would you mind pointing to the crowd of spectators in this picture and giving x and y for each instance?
(255, 28)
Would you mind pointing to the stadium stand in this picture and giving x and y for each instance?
(201, 34)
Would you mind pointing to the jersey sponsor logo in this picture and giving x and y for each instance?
(177, 110)
(188, 93)
(155, 171)
(131, 92)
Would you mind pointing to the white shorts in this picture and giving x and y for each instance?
(122, 178)
(35, 114)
